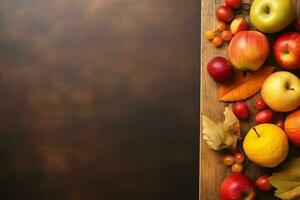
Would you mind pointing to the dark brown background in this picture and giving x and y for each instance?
(99, 99)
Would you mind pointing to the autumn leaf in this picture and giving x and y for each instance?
(287, 181)
(221, 135)
(241, 87)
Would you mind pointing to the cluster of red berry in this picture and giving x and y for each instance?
(235, 162)
(225, 14)
(264, 115)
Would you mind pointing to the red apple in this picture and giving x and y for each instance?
(287, 50)
(248, 50)
(260, 104)
(234, 4)
(219, 68)
(297, 24)
(263, 183)
(224, 14)
(264, 116)
(241, 110)
(292, 127)
(237, 25)
(236, 187)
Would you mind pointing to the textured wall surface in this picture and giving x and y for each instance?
(99, 99)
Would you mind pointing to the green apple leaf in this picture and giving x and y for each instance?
(287, 181)
(221, 135)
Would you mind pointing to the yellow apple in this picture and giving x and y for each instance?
(266, 145)
(270, 16)
(281, 91)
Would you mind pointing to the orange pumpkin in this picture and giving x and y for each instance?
(292, 127)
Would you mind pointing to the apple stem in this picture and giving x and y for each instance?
(286, 51)
(290, 88)
(256, 132)
(267, 10)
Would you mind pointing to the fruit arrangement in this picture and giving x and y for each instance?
(245, 73)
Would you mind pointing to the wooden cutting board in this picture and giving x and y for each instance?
(212, 170)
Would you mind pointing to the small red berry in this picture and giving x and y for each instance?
(280, 123)
(263, 183)
(264, 116)
(241, 110)
(260, 104)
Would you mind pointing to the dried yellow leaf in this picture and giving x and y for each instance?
(221, 135)
(287, 181)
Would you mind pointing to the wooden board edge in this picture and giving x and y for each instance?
(200, 94)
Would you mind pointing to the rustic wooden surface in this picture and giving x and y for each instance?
(99, 99)
(212, 170)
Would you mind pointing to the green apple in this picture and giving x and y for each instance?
(270, 16)
(281, 91)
